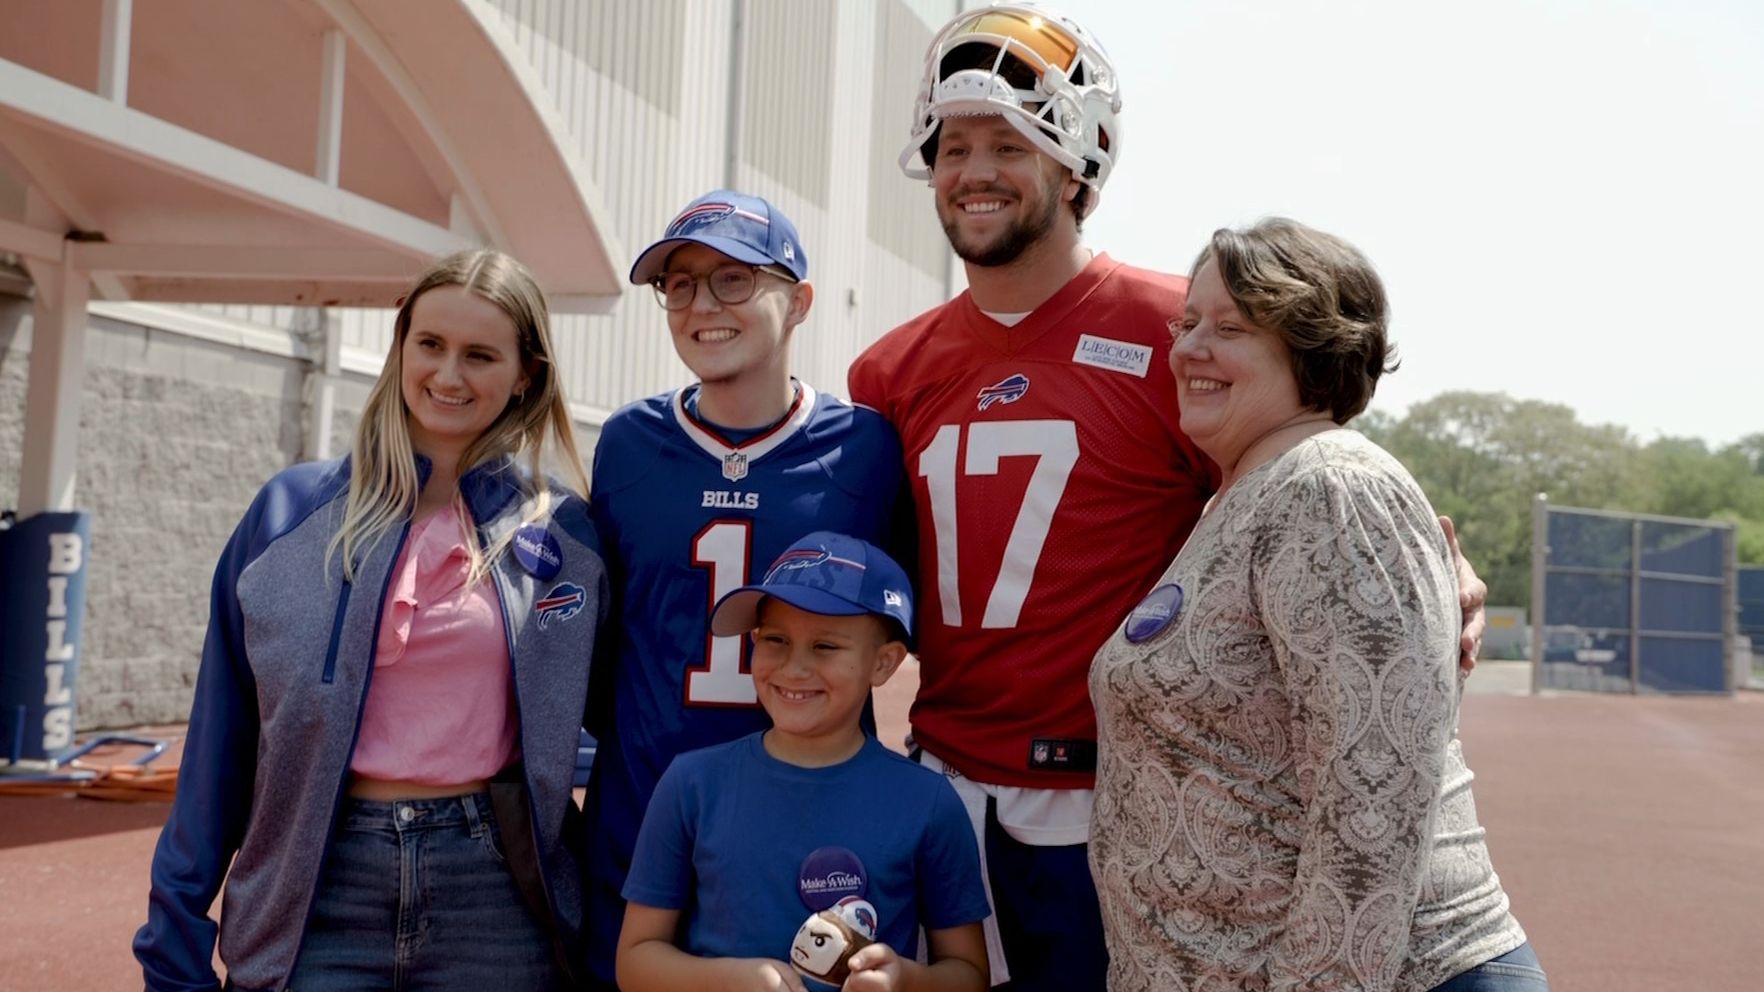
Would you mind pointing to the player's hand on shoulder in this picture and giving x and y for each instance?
(876, 968)
(1472, 597)
(760, 975)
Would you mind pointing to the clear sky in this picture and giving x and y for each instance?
(1566, 199)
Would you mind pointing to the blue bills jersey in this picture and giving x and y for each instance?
(686, 516)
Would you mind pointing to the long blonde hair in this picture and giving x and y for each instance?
(383, 485)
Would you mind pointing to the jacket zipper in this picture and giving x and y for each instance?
(337, 632)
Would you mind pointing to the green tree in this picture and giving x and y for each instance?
(1751, 448)
(1482, 457)
(1683, 478)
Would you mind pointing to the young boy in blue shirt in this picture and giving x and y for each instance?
(744, 840)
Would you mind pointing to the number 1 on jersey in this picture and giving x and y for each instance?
(1055, 445)
(723, 548)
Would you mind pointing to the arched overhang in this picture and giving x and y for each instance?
(286, 152)
(303, 152)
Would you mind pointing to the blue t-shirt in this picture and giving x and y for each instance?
(747, 847)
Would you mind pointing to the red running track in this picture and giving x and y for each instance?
(1629, 833)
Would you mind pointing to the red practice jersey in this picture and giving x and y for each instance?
(1052, 487)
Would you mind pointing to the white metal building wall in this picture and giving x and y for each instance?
(899, 219)
(643, 89)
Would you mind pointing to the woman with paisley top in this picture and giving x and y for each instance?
(1281, 798)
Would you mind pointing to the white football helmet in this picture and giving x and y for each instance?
(1065, 99)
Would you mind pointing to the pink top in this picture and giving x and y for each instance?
(439, 708)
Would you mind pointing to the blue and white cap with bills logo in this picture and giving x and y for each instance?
(745, 228)
(826, 573)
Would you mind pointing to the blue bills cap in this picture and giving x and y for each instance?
(825, 573)
(745, 228)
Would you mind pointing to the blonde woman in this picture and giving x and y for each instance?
(394, 638)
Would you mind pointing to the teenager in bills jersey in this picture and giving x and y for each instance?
(695, 492)
(1052, 484)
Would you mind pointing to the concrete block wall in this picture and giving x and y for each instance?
(176, 436)
(15, 319)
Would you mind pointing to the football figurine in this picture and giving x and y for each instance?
(826, 941)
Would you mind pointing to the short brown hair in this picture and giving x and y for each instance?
(1324, 300)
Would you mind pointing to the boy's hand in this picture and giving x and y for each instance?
(876, 968)
(760, 975)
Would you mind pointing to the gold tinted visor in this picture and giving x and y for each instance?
(1038, 34)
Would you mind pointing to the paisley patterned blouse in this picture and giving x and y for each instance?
(1281, 801)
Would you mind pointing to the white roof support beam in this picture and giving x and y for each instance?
(330, 126)
(54, 105)
(374, 49)
(322, 387)
(115, 30)
(242, 261)
(50, 206)
(23, 239)
(52, 394)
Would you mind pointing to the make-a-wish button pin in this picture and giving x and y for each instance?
(1154, 614)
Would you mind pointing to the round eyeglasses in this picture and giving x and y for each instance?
(729, 284)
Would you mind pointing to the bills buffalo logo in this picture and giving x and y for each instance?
(801, 558)
(1007, 390)
(859, 913)
(710, 214)
(564, 601)
(703, 215)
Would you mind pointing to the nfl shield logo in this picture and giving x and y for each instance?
(734, 466)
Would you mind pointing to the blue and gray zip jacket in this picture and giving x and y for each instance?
(279, 696)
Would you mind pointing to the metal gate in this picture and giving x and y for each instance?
(1625, 602)
(1751, 618)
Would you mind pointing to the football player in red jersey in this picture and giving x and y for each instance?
(1052, 484)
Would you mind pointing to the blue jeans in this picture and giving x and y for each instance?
(415, 895)
(1515, 971)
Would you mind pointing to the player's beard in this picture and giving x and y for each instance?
(1013, 241)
